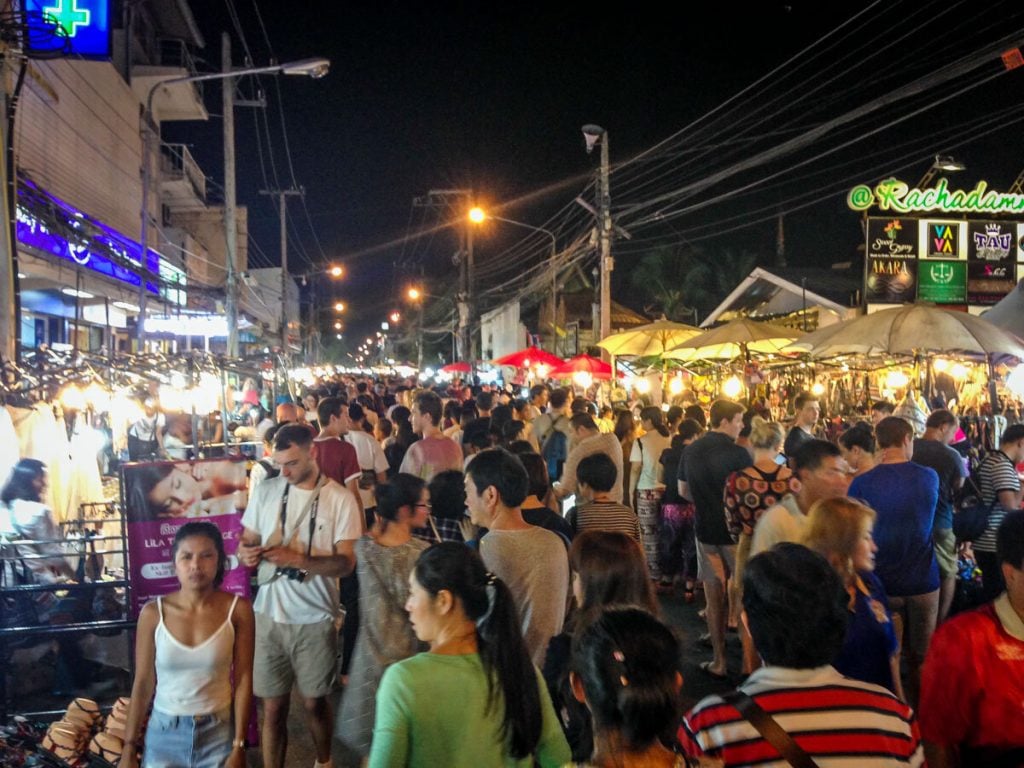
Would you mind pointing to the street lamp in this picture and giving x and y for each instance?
(941, 163)
(478, 216)
(339, 306)
(315, 68)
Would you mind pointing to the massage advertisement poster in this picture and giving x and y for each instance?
(159, 498)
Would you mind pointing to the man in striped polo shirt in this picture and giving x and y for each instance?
(794, 606)
(598, 509)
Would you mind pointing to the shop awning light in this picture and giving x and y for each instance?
(77, 294)
(125, 306)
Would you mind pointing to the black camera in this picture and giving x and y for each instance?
(295, 574)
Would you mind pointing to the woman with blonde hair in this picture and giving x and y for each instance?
(748, 494)
(840, 530)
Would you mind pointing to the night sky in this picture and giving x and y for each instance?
(442, 95)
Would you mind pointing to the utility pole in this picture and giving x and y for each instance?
(605, 235)
(282, 196)
(9, 315)
(230, 224)
(442, 198)
(595, 134)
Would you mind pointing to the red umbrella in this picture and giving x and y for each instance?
(457, 368)
(529, 358)
(596, 367)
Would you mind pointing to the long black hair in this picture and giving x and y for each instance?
(652, 413)
(402, 490)
(487, 601)
(19, 484)
(628, 662)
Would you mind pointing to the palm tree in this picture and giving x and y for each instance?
(685, 282)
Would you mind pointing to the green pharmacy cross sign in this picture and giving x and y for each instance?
(895, 196)
(84, 24)
(69, 15)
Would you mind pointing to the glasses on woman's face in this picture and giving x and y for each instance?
(423, 505)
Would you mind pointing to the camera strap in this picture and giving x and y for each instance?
(310, 508)
(267, 572)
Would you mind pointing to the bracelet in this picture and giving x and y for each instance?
(238, 744)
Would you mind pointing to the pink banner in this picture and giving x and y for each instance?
(159, 498)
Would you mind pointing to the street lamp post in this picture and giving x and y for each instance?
(315, 68)
(478, 216)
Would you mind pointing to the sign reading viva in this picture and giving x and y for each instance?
(895, 196)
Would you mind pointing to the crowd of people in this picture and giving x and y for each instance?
(484, 575)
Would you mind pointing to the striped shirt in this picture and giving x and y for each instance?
(604, 516)
(995, 473)
(837, 721)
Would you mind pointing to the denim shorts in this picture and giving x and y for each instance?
(187, 741)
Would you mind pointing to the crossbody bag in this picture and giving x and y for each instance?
(770, 730)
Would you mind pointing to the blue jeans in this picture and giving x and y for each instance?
(187, 741)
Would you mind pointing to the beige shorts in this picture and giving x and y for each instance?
(715, 562)
(287, 654)
(945, 551)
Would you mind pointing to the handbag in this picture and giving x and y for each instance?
(770, 730)
(971, 519)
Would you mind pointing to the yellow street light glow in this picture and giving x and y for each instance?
(414, 294)
(339, 307)
(477, 215)
(337, 326)
(336, 271)
(583, 379)
(896, 380)
(732, 387)
(394, 317)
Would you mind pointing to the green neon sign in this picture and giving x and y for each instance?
(894, 195)
(69, 15)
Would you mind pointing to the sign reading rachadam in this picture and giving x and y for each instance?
(945, 258)
(895, 196)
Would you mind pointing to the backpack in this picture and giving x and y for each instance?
(272, 471)
(554, 449)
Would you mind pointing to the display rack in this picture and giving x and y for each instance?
(108, 541)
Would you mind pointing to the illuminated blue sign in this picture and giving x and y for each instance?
(34, 233)
(86, 22)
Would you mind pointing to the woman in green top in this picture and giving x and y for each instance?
(474, 699)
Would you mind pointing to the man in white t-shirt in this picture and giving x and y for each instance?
(300, 529)
(371, 459)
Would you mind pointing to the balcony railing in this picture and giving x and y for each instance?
(176, 162)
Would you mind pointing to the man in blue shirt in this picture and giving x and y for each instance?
(904, 495)
(932, 450)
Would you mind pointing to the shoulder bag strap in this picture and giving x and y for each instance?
(770, 730)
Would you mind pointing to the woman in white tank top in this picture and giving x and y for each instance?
(193, 661)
